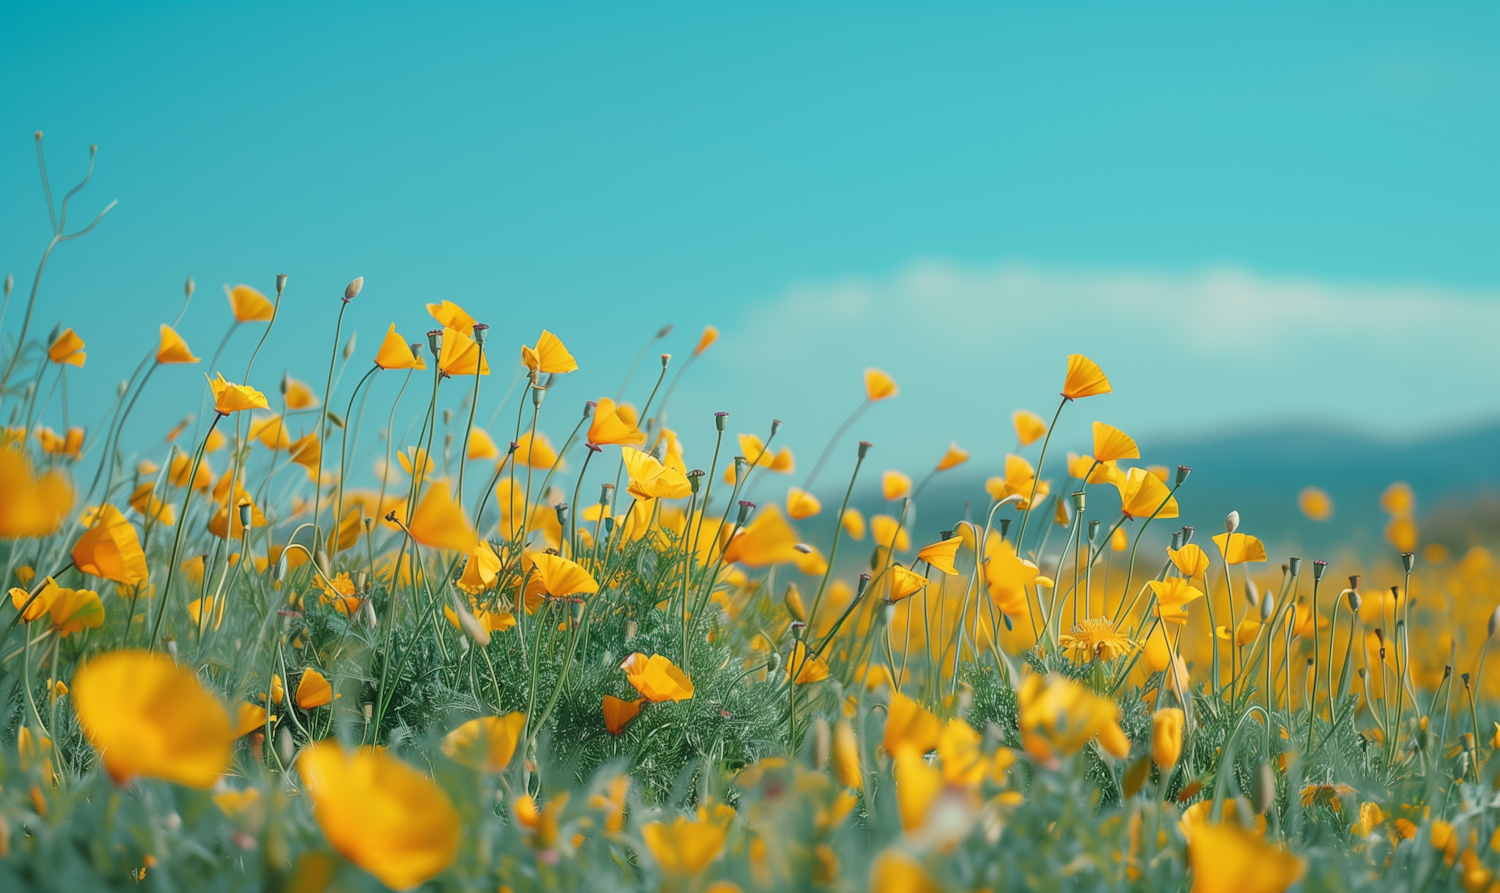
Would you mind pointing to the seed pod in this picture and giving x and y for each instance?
(1295, 564)
(721, 420)
(280, 283)
(1263, 788)
(1187, 533)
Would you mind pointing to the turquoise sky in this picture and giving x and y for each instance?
(1248, 213)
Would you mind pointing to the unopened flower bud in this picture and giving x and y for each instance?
(349, 346)
(606, 494)
(188, 288)
(864, 448)
(665, 359)
(447, 417)
(280, 283)
(1252, 593)
(481, 332)
(1408, 561)
(1320, 568)
(1005, 527)
(1354, 581)
(435, 341)
(10, 283)
(1093, 530)
(1267, 606)
(323, 564)
(664, 331)
(122, 388)
(1354, 601)
(775, 427)
(562, 515)
(721, 420)
(353, 289)
(245, 514)
(470, 625)
(1182, 474)
(864, 583)
(1176, 540)
(1263, 788)
(286, 381)
(1231, 522)
(1494, 621)
(773, 663)
(286, 748)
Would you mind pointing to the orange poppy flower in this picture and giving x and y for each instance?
(909, 727)
(52, 444)
(801, 504)
(230, 397)
(561, 578)
(803, 667)
(395, 353)
(650, 479)
(68, 348)
(1240, 548)
(110, 549)
(535, 452)
(941, 554)
(1111, 444)
(953, 458)
(313, 690)
(1315, 503)
(888, 529)
(709, 336)
(452, 316)
(249, 305)
(297, 395)
(1008, 578)
(144, 500)
(1191, 560)
(549, 356)
(481, 445)
(657, 678)
(1029, 426)
(486, 744)
(853, 523)
(904, 583)
(1142, 493)
(894, 485)
(1085, 378)
(879, 385)
(307, 452)
(618, 713)
(173, 349)
(611, 426)
(182, 466)
(764, 541)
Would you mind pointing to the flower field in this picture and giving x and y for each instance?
(311, 639)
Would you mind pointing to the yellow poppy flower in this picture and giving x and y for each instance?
(452, 316)
(485, 744)
(68, 348)
(69, 446)
(1111, 444)
(650, 479)
(709, 336)
(111, 549)
(853, 523)
(497, 621)
(34, 607)
(895, 872)
(1402, 534)
(618, 713)
(1029, 426)
(1142, 493)
(1119, 540)
(1173, 595)
(812, 563)
(1166, 737)
(909, 727)
(764, 541)
(1008, 578)
(250, 718)
(801, 504)
(1315, 503)
(845, 757)
(1019, 480)
(380, 813)
(807, 667)
(271, 432)
(657, 678)
(230, 397)
(307, 452)
(298, 394)
(1226, 858)
(684, 847)
(1059, 716)
(173, 349)
(562, 578)
(879, 385)
(1191, 560)
(1095, 639)
(894, 485)
(785, 462)
(549, 356)
(74, 610)
(1084, 379)
(535, 452)
(461, 355)
(887, 529)
(313, 690)
(1398, 499)
(1240, 548)
(396, 353)
(941, 554)
(481, 445)
(610, 426)
(954, 457)
(149, 717)
(249, 305)
(182, 466)
(440, 523)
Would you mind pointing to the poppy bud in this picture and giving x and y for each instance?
(1093, 530)
(1252, 593)
(349, 347)
(123, 387)
(53, 335)
(1078, 501)
(739, 468)
(588, 408)
(323, 564)
(1354, 601)
(1166, 737)
(721, 420)
(1176, 540)
(1005, 527)
(1231, 522)
(1182, 474)
(481, 332)
(286, 381)
(1009, 626)
(10, 283)
(746, 507)
(665, 359)
(280, 283)
(285, 747)
(416, 349)
(609, 527)
(775, 426)
(1320, 568)
(1494, 622)
(1380, 636)
(664, 331)
(773, 663)
(353, 289)
(1408, 560)
(1187, 534)
(188, 287)
(1465, 678)
(1263, 788)
(278, 573)
(471, 627)
(172, 649)
(864, 448)
(695, 479)
(562, 514)
(606, 493)
(864, 583)
(1296, 565)
(245, 517)
(435, 341)
(821, 743)
(1267, 607)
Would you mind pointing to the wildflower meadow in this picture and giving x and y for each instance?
(450, 636)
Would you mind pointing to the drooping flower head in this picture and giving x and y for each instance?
(68, 348)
